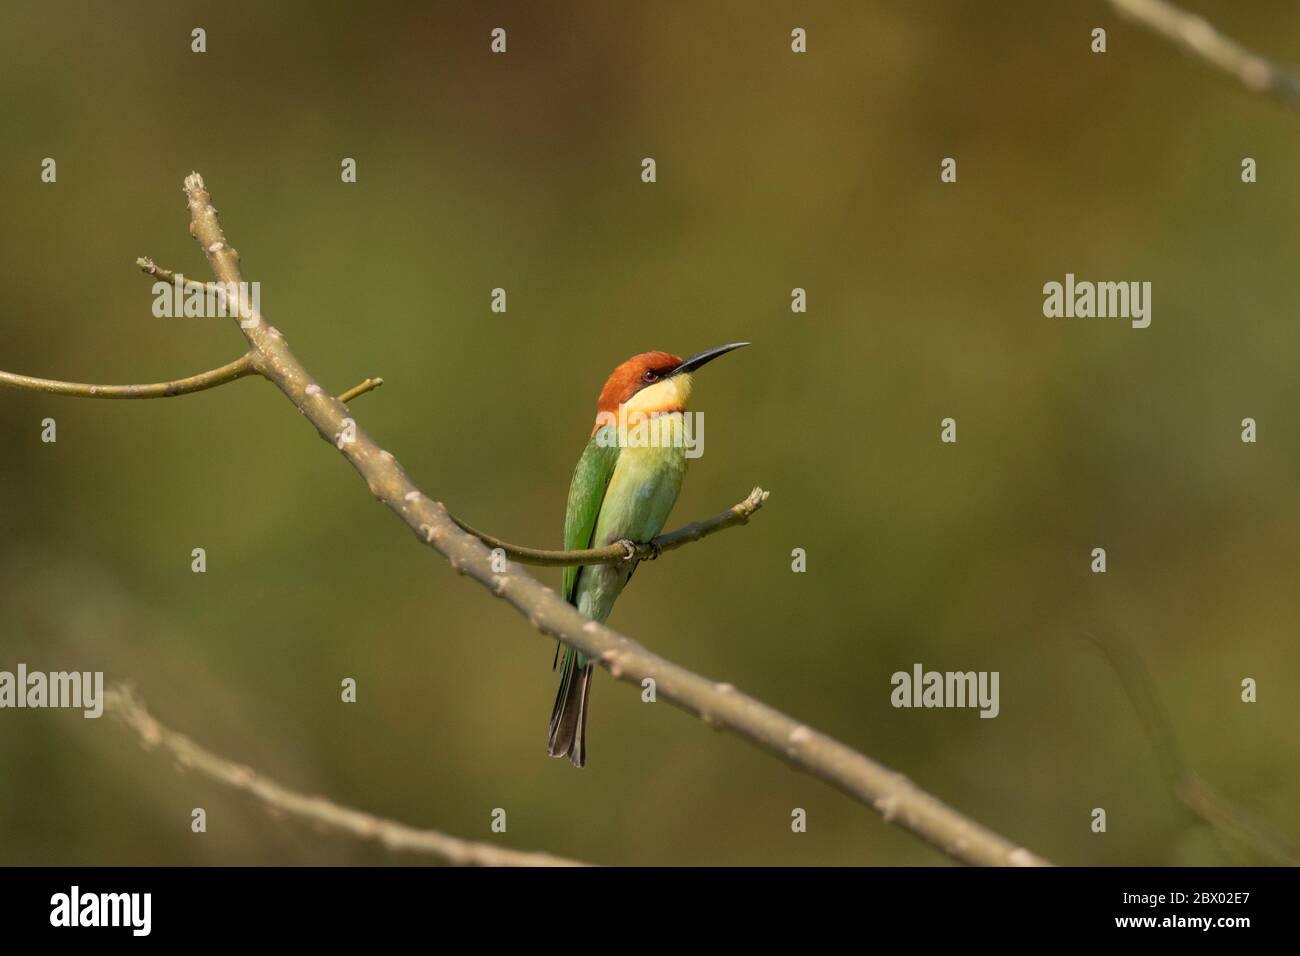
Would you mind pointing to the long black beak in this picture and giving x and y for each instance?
(703, 358)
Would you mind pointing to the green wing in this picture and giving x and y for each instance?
(586, 494)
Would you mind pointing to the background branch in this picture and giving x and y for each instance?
(182, 386)
(1188, 786)
(122, 703)
(891, 794)
(1199, 38)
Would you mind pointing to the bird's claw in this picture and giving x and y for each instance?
(634, 550)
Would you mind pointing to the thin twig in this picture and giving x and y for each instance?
(167, 275)
(895, 797)
(1188, 786)
(122, 703)
(627, 550)
(368, 385)
(1198, 37)
(182, 386)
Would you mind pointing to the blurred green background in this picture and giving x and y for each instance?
(774, 171)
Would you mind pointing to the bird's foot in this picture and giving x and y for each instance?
(634, 550)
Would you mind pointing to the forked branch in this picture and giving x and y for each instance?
(891, 794)
(721, 705)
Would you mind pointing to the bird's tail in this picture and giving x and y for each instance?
(568, 733)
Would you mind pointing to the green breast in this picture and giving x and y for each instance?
(641, 494)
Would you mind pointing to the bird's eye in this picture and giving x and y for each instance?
(649, 375)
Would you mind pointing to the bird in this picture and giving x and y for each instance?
(623, 489)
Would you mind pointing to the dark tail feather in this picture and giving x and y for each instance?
(568, 733)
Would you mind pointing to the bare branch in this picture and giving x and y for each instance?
(1202, 40)
(612, 554)
(149, 267)
(182, 386)
(737, 514)
(892, 795)
(122, 703)
(368, 385)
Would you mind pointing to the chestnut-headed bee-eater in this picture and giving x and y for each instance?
(622, 489)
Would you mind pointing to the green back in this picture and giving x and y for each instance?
(586, 494)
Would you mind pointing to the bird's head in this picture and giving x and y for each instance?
(653, 383)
